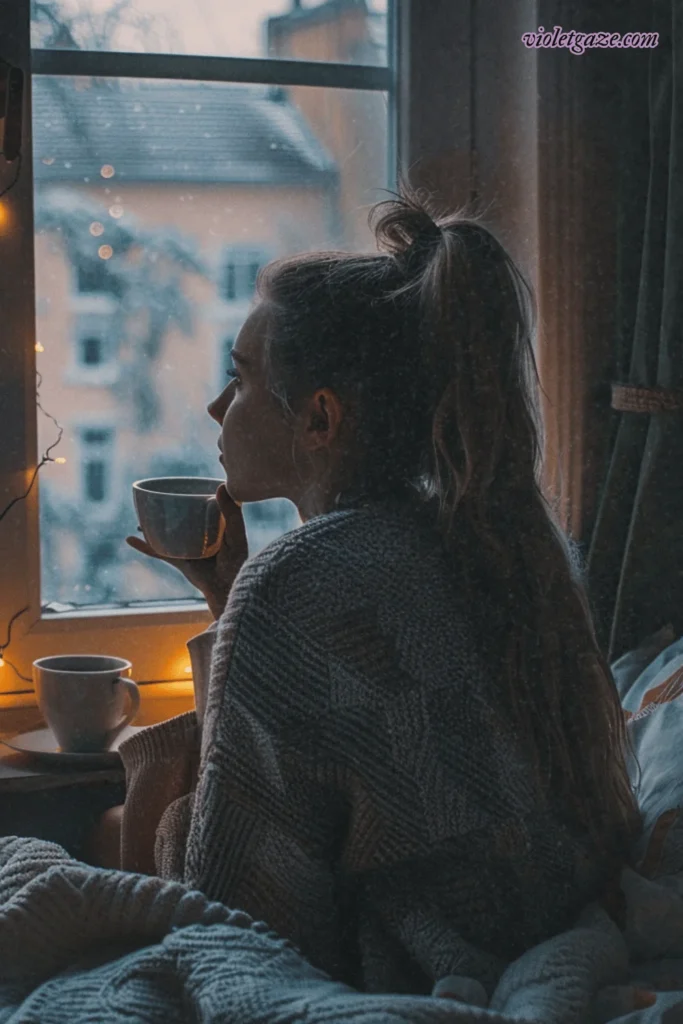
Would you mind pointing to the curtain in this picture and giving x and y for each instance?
(635, 554)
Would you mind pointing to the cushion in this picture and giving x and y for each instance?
(650, 684)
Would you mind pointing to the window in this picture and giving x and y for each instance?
(92, 334)
(146, 164)
(240, 270)
(143, 158)
(91, 351)
(97, 450)
(94, 480)
(92, 361)
(348, 31)
(92, 277)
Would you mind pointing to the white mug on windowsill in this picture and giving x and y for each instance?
(86, 699)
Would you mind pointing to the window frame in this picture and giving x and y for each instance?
(153, 635)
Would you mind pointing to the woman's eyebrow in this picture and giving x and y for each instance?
(239, 358)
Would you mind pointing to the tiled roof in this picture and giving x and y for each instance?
(171, 131)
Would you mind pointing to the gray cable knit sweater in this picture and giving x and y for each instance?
(356, 790)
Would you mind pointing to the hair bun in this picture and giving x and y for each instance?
(403, 222)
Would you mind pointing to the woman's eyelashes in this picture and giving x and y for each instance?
(233, 375)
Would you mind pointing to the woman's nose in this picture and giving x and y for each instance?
(217, 408)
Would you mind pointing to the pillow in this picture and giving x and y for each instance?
(650, 684)
(641, 662)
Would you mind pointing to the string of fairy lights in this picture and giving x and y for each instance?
(4, 662)
(47, 457)
(104, 252)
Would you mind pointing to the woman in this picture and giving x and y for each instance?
(412, 752)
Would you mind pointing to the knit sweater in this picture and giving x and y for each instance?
(358, 789)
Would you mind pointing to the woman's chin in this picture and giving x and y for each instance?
(242, 494)
(236, 493)
(233, 492)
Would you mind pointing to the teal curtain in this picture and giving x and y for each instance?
(635, 555)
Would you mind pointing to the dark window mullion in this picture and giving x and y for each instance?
(95, 63)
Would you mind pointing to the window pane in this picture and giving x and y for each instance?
(230, 289)
(94, 481)
(342, 31)
(92, 351)
(93, 277)
(96, 436)
(142, 190)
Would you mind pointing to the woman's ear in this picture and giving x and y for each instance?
(324, 418)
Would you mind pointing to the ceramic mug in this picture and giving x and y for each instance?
(85, 699)
(179, 516)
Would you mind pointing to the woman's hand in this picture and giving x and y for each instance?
(214, 576)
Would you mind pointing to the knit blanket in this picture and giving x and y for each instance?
(81, 944)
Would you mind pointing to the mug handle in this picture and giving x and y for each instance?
(213, 519)
(134, 696)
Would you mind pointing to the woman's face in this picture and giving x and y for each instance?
(256, 439)
(306, 459)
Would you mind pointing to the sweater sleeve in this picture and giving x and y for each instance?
(269, 817)
(160, 763)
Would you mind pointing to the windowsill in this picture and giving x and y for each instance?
(19, 713)
(154, 613)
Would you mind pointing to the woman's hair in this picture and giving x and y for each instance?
(429, 344)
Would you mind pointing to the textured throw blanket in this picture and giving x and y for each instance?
(80, 944)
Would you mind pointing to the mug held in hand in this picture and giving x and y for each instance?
(179, 516)
(85, 699)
